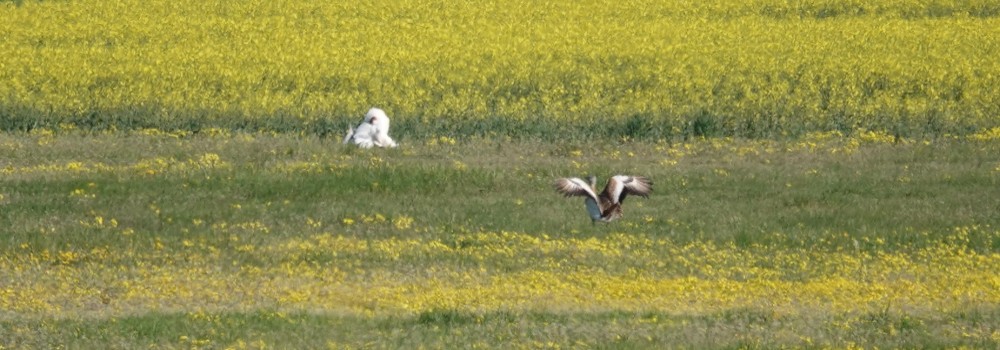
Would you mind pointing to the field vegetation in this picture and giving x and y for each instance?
(650, 69)
(154, 239)
(826, 174)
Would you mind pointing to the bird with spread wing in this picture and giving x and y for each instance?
(607, 205)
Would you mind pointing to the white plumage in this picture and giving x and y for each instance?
(606, 206)
(373, 131)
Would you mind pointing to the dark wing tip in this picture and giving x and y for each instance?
(646, 186)
(560, 186)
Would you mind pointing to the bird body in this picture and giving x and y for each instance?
(607, 205)
(373, 131)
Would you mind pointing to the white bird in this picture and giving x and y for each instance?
(606, 206)
(373, 131)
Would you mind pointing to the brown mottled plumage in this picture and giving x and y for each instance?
(606, 206)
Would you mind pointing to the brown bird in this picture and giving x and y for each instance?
(607, 206)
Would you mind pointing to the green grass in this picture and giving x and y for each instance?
(446, 329)
(753, 196)
(881, 190)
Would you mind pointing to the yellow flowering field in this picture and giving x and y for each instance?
(636, 68)
(825, 174)
(167, 239)
(334, 273)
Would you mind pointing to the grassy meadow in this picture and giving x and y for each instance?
(826, 174)
(158, 240)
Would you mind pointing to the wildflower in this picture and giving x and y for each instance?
(441, 140)
(402, 222)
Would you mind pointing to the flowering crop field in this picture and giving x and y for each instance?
(826, 174)
(168, 239)
(650, 69)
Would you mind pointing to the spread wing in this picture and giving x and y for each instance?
(574, 186)
(620, 186)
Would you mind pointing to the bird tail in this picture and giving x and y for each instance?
(613, 212)
(349, 135)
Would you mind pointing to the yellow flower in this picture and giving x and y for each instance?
(402, 222)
